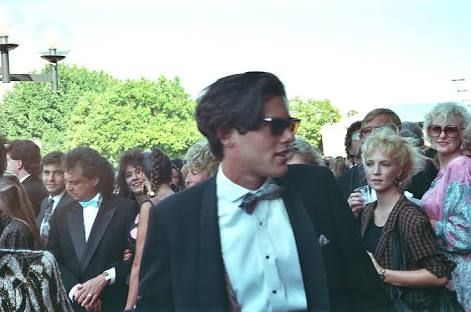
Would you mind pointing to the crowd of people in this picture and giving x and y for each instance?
(253, 218)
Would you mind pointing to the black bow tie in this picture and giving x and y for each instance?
(268, 192)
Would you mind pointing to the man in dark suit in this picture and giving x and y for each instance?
(258, 235)
(89, 235)
(24, 160)
(52, 174)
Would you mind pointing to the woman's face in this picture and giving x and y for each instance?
(381, 171)
(134, 179)
(195, 177)
(445, 136)
(175, 177)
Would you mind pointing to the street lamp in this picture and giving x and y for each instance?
(52, 56)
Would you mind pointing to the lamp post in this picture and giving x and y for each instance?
(52, 56)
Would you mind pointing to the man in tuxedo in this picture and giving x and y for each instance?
(24, 160)
(89, 235)
(53, 179)
(259, 235)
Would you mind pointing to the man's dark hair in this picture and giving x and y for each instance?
(235, 102)
(133, 158)
(348, 137)
(93, 166)
(382, 111)
(52, 158)
(3, 155)
(28, 152)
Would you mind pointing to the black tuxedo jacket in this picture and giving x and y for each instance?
(182, 266)
(64, 201)
(36, 192)
(80, 261)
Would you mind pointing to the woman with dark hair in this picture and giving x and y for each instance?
(18, 227)
(131, 176)
(158, 175)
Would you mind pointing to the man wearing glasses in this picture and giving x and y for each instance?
(259, 235)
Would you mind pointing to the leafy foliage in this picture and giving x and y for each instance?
(313, 114)
(32, 110)
(135, 114)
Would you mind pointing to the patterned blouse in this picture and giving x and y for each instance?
(448, 201)
(418, 245)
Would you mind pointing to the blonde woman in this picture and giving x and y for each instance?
(395, 231)
(448, 201)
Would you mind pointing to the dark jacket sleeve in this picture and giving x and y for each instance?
(363, 286)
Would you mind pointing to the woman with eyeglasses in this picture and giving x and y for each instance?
(448, 201)
(18, 229)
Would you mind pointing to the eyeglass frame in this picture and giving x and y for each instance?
(279, 125)
(373, 129)
(444, 130)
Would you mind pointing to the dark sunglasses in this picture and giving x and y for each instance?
(364, 132)
(279, 125)
(435, 131)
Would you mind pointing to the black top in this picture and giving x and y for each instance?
(372, 236)
(15, 234)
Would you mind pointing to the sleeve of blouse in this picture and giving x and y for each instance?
(453, 230)
(423, 247)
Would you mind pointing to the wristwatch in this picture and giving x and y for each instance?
(107, 277)
(382, 272)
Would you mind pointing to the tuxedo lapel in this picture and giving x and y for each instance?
(102, 220)
(76, 228)
(211, 285)
(309, 250)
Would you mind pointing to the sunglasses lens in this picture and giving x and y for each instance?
(434, 131)
(278, 126)
(451, 131)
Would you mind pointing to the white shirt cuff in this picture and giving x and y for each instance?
(72, 292)
(112, 273)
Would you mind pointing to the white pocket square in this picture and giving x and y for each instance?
(323, 240)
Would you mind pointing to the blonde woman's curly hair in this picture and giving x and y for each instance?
(401, 149)
(199, 158)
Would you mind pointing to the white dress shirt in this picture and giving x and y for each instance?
(56, 200)
(259, 251)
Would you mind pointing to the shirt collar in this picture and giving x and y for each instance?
(230, 191)
(95, 202)
(58, 197)
(24, 178)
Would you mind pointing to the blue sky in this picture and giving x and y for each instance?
(359, 54)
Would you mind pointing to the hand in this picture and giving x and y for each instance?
(356, 203)
(96, 307)
(127, 255)
(90, 291)
(375, 263)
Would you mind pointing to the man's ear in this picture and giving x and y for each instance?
(19, 164)
(226, 137)
(95, 180)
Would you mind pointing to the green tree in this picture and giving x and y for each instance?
(132, 114)
(33, 111)
(352, 113)
(313, 114)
